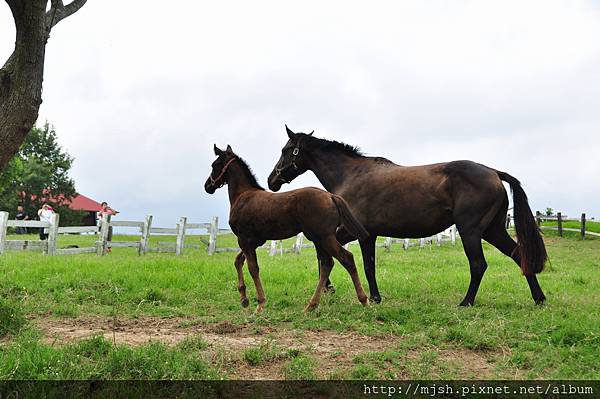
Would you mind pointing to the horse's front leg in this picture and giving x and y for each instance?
(367, 248)
(254, 272)
(239, 266)
(325, 266)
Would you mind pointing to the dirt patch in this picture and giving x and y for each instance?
(225, 328)
(333, 351)
(470, 364)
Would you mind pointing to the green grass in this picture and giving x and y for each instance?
(424, 333)
(95, 358)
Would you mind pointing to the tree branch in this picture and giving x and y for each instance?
(58, 11)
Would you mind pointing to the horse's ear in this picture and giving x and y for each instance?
(218, 151)
(229, 149)
(290, 134)
(311, 133)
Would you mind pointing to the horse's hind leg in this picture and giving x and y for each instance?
(497, 235)
(333, 247)
(477, 264)
(239, 266)
(325, 266)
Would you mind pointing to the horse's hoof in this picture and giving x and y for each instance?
(540, 301)
(245, 302)
(466, 303)
(330, 289)
(376, 299)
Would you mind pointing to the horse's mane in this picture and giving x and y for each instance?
(332, 145)
(249, 174)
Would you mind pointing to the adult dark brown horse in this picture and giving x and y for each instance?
(256, 216)
(419, 201)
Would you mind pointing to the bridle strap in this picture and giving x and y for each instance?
(213, 181)
(295, 153)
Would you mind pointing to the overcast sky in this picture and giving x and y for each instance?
(139, 91)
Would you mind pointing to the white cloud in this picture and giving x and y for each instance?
(139, 91)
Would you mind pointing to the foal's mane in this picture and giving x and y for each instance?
(249, 174)
(332, 145)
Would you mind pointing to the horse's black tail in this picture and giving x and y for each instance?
(531, 247)
(350, 222)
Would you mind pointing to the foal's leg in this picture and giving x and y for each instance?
(333, 247)
(239, 265)
(368, 252)
(497, 235)
(325, 266)
(253, 268)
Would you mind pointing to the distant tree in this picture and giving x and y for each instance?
(549, 211)
(39, 172)
(22, 74)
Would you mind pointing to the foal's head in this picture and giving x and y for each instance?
(292, 163)
(218, 175)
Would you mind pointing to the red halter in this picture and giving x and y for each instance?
(213, 181)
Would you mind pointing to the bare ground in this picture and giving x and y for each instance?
(333, 351)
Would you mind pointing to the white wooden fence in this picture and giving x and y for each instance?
(559, 219)
(102, 244)
(145, 229)
(276, 246)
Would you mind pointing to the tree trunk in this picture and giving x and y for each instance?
(22, 75)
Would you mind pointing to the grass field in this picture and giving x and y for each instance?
(165, 317)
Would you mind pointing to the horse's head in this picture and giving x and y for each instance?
(292, 163)
(218, 175)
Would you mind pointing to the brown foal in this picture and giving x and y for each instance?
(256, 216)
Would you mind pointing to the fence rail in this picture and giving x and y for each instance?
(582, 230)
(145, 229)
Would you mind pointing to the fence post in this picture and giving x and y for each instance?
(103, 239)
(538, 218)
(53, 234)
(406, 243)
(273, 248)
(421, 242)
(387, 244)
(145, 235)
(583, 226)
(299, 241)
(3, 227)
(181, 226)
(508, 221)
(439, 239)
(559, 223)
(213, 231)
(453, 234)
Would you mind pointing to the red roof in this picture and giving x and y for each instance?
(83, 203)
(78, 202)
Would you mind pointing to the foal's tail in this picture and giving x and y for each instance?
(348, 219)
(531, 246)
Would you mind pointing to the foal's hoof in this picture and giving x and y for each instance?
(245, 302)
(310, 307)
(330, 289)
(375, 298)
